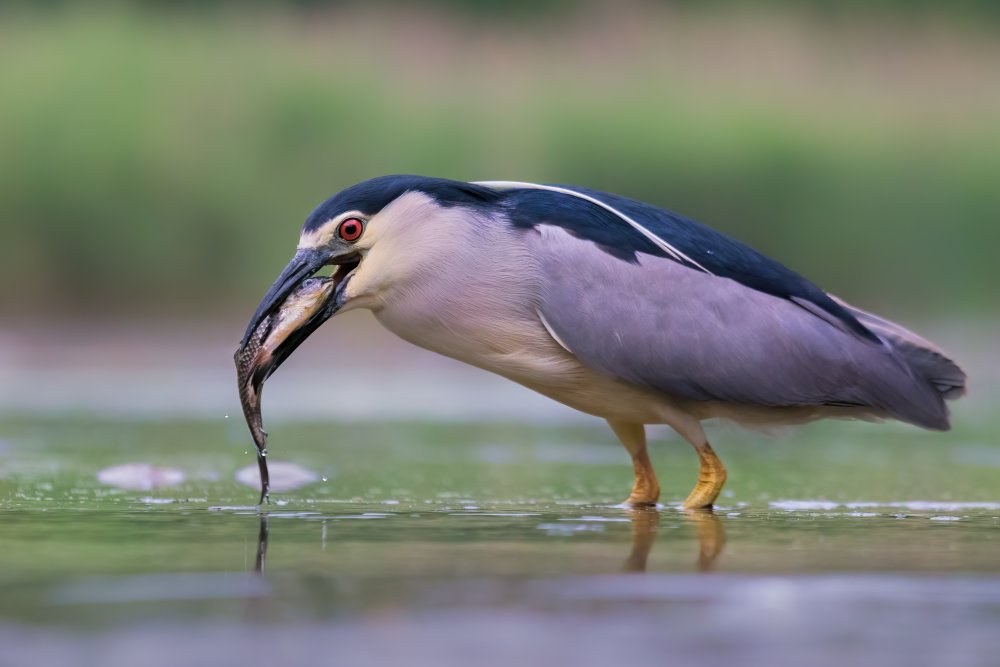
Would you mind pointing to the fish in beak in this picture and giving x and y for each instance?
(305, 263)
(293, 308)
(269, 343)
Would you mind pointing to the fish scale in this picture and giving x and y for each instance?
(250, 397)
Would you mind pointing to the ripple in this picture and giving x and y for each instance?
(912, 505)
(800, 505)
(569, 528)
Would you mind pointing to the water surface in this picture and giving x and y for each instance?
(496, 545)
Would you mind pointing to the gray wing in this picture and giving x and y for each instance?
(658, 323)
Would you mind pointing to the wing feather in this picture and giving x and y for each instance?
(657, 240)
(661, 324)
(598, 217)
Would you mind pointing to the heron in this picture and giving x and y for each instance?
(614, 307)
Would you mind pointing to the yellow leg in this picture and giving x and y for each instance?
(646, 490)
(710, 479)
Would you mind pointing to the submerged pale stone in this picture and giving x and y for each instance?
(285, 476)
(140, 476)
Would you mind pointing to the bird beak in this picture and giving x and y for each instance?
(275, 351)
(267, 348)
(305, 263)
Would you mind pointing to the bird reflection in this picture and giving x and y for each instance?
(708, 527)
(709, 531)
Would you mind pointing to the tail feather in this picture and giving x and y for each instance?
(926, 359)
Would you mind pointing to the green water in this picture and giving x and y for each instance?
(494, 544)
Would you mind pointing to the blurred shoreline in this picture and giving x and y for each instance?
(351, 369)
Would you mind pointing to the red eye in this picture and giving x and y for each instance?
(350, 229)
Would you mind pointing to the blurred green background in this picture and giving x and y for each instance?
(158, 158)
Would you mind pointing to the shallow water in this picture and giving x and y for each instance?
(496, 545)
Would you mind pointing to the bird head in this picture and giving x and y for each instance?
(381, 231)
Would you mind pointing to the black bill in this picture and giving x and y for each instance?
(303, 264)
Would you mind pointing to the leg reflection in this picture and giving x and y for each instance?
(708, 527)
(711, 536)
(645, 521)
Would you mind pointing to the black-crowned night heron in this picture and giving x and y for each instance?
(613, 307)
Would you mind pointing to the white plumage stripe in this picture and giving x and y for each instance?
(659, 242)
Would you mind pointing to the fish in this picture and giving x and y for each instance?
(268, 345)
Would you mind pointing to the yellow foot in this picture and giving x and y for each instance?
(646, 490)
(643, 498)
(711, 478)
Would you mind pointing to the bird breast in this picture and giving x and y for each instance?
(490, 321)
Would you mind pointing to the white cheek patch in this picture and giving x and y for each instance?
(316, 237)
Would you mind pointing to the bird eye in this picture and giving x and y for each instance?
(350, 229)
